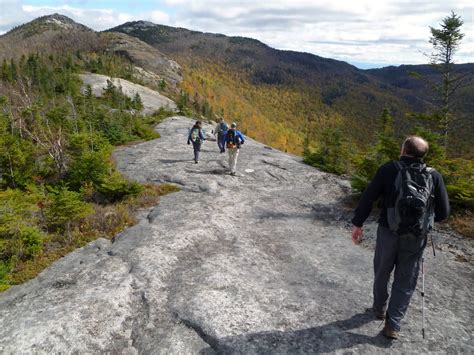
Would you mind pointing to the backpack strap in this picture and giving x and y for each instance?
(399, 164)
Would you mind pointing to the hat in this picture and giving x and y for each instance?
(233, 125)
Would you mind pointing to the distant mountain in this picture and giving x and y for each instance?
(279, 97)
(58, 33)
(322, 91)
(47, 23)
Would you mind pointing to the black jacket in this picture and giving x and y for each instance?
(382, 185)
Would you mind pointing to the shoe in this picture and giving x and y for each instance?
(232, 173)
(389, 332)
(195, 162)
(379, 314)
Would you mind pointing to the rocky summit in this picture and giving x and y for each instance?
(260, 262)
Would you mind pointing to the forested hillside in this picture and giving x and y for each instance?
(300, 94)
(59, 188)
(344, 120)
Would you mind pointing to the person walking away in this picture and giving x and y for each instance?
(413, 197)
(220, 131)
(196, 137)
(234, 139)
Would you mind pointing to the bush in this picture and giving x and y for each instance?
(21, 237)
(90, 160)
(16, 157)
(333, 154)
(65, 209)
(115, 188)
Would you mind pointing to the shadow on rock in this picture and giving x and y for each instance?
(174, 161)
(210, 172)
(326, 338)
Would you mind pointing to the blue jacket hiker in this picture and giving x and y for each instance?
(220, 131)
(233, 139)
(196, 137)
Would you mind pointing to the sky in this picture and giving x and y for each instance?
(365, 33)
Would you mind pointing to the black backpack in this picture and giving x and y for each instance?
(413, 211)
(230, 139)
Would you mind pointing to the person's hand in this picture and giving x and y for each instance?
(357, 234)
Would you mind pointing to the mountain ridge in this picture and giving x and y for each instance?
(273, 272)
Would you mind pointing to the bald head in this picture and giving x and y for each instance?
(415, 147)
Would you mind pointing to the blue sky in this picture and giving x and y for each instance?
(365, 33)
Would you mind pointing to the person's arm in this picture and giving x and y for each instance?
(241, 137)
(201, 135)
(441, 200)
(370, 195)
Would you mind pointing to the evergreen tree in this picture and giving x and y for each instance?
(385, 148)
(446, 41)
(137, 102)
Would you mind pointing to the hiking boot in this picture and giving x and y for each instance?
(389, 332)
(379, 314)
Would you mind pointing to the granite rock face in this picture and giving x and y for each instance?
(261, 262)
(152, 100)
(146, 56)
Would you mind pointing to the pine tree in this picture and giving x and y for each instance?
(446, 41)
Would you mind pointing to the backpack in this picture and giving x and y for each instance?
(222, 127)
(195, 135)
(230, 139)
(413, 211)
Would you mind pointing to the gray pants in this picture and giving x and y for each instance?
(403, 254)
(197, 149)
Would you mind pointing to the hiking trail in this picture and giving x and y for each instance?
(261, 262)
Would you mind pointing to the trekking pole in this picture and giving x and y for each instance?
(432, 244)
(422, 297)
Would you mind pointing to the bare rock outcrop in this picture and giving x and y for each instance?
(145, 56)
(152, 100)
(260, 262)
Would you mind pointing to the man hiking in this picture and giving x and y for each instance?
(220, 131)
(233, 139)
(196, 137)
(413, 196)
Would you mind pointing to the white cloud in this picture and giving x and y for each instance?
(390, 32)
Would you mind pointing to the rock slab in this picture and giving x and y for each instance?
(152, 100)
(256, 263)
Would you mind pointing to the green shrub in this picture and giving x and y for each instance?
(21, 237)
(17, 158)
(333, 154)
(90, 160)
(143, 131)
(115, 188)
(65, 209)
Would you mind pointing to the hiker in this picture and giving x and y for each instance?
(233, 139)
(401, 237)
(196, 137)
(220, 131)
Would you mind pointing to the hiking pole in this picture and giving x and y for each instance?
(432, 244)
(422, 298)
